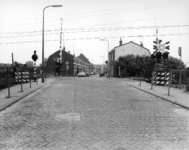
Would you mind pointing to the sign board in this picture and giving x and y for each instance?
(67, 67)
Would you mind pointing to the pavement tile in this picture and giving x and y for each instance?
(114, 116)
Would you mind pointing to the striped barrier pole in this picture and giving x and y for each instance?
(36, 78)
(34, 72)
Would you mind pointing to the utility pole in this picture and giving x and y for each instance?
(12, 59)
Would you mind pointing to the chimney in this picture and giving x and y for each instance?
(120, 42)
(141, 44)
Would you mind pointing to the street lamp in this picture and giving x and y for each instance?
(107, 57)
(42, 79)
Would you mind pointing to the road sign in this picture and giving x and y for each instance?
(160, 47)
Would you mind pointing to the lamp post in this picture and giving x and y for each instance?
(107, 57)
(42, 79)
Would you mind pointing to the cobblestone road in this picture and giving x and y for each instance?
(93, 114)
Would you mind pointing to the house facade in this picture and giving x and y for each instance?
(125, 49)
(70, 66)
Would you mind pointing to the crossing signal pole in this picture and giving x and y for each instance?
(35, 57)
(160, 55)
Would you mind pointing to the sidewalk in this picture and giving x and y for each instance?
(176, 96)
(16, 94)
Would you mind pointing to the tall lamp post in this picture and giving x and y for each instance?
(107, 57)
(42, 79)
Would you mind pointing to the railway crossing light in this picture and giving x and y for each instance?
(34, 56)
(165, 55)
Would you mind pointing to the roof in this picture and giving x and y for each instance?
(129, 43)
(82, 57)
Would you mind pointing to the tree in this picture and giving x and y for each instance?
(134, 64)
(29, 64)
(174, 63)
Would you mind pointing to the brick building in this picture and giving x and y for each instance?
(71, 65)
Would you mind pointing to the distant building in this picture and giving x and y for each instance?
(123, 50)
(71, 65)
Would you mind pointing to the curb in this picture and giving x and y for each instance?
(20, 98)
(181, 105)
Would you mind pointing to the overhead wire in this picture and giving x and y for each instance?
(89, 38)
(98, 11)
(155, 6)
(98, 30)
(82, 27)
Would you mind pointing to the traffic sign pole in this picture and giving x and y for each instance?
(180, 71)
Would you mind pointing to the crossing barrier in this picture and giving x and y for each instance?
(22, 75)
(161, 77)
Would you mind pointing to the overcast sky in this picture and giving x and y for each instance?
(87, 21)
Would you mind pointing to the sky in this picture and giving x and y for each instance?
(85, 22)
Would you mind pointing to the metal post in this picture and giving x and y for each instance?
(8, 77)
(12, 59)
(180, 71)
(21, 83)
(119, 72)
(152, 81)
(42, 78)
(170, 82)
(30, 78)
(45, 74)
(140, 78)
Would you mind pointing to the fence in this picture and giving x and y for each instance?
(169, 78)
(179, 78)
(8, 79)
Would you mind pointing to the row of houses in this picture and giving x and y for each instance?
(125, 49)
(70, 65)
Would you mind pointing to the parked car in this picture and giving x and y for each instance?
(81, 74)
(101, 74)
